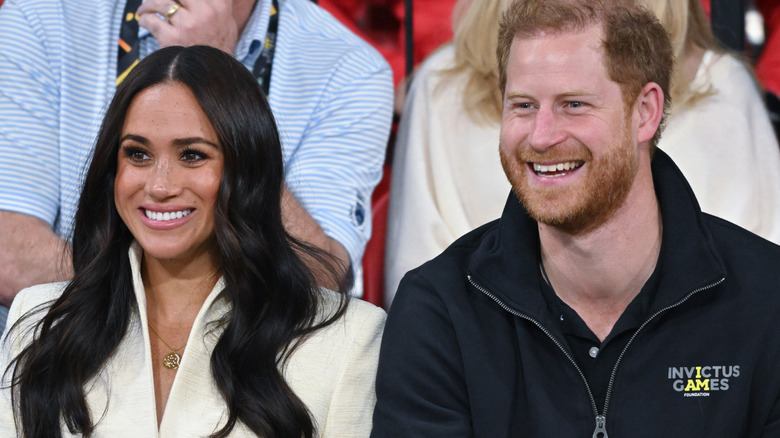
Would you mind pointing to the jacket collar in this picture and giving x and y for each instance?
(507, 261)
(194, 371)
(213, 309)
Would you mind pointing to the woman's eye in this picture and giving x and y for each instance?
(136, 155)
(193, 156)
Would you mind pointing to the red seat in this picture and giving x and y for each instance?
(374, 257)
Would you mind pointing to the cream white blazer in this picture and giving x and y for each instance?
(332, 372)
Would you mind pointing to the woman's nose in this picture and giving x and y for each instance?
(163, 182)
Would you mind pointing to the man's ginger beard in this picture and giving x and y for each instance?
(589, 204)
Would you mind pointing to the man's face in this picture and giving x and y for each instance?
(567, 144)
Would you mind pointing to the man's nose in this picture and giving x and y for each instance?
(546, 131)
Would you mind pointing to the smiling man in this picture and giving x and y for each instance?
(604, 301)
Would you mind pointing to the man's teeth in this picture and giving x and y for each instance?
(560, 167)
(168, 215)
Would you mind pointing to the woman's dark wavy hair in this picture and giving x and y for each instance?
(274, 296)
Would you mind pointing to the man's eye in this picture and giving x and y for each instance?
(575, 104)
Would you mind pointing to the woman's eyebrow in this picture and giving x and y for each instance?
(134, 137)
(179, 142)
(186, 141)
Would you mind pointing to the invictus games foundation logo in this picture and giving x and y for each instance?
(700, 381)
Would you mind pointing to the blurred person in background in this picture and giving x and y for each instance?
(719, 133)
(768, 63)
(447, 177)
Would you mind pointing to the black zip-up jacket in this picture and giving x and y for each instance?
(470, 348)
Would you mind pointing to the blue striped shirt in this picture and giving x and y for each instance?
(331, 94)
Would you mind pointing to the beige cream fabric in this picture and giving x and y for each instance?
(333, 373)
(447, 177)
(726, 148)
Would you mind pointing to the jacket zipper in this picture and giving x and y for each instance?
(601, 419)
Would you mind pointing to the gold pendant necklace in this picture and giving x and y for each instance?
(172, 359)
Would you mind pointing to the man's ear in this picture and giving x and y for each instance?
(650, 109)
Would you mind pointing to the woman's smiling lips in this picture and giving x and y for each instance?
(164, 218)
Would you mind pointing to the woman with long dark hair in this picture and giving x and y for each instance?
(190, 312)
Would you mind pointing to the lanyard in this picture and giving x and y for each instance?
(127, 54)
(264, 62)
(128, 43)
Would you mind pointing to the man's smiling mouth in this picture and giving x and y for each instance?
(556, 169)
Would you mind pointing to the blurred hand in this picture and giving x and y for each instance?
(30, 254)
(206, 22)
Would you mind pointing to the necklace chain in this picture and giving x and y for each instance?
(172, 359)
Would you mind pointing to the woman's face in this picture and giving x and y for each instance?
(169, 167)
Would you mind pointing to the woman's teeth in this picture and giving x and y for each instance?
(168, 215)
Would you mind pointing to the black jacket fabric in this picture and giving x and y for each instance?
(470, 348)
